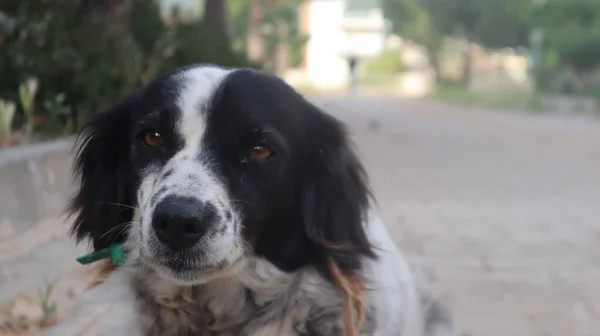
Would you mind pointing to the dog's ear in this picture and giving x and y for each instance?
(336, 197)
(104, 203)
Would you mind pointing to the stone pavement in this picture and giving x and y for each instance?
(500, 212)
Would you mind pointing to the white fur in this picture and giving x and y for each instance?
(391, 290)
(191, 173)
(199, 85)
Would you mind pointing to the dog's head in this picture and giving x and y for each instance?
(208, 165)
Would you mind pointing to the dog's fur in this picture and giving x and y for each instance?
(292, 244)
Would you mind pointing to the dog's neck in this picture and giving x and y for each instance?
(255, 297)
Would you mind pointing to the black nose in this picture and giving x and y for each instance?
(179, 222)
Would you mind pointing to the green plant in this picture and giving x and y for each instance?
(93, 53)
(571, 32)
(27, 92)
(505, 99)
(60, 120)
(49, 308)
(388, 62)
(7, 113)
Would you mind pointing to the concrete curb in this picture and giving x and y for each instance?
(35, 182)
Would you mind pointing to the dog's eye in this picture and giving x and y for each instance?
(153, 139)
(260, 152)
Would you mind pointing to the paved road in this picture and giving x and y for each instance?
(500, 211)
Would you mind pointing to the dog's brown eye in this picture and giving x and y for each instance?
(260, 152)
(153, 139)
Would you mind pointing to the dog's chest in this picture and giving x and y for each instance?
(233, 309)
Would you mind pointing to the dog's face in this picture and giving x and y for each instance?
(218, 164)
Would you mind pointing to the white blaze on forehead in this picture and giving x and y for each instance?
(198, 86)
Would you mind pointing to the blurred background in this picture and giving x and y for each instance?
(478, 121)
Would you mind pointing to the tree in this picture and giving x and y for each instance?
(572, 30)
(65, 44)
(87, 54)
(267, 31)
(215, 13)
(255, 41)
(282, 34)
(411, 19)
(491, 23)
(504, 24)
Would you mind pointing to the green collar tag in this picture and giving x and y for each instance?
(115, 252)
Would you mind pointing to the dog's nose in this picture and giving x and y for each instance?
(179, 222)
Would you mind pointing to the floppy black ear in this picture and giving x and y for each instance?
(336, 197)
(104, 200)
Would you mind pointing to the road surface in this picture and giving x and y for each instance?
(500, 211)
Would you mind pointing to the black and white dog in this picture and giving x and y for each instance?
(244, 211)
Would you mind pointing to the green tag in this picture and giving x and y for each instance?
(115, 252)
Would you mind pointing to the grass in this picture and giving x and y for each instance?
(31, 322)
(310, 90)
(501, 99)
(48, 306)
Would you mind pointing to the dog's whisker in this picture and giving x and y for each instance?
(119, 204)
(120, 232)
(241, 201)
(121, 226)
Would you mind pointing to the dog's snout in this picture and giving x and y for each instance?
(180, 222)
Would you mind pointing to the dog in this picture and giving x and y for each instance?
(244, 210)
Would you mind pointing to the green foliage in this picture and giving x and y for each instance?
(195, 42)
(282, 12)
(27, 92)
(7, 113)
(581, 49)
(411, 19)
(239, 15)
(518, 100)
(49, 308)
(59, 123)
(87, 54)
(503, 23)
(572, 31)
(386, 63)
(491, 23)
(284, 15)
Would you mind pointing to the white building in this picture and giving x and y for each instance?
(337, 29)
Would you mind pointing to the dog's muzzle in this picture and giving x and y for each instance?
(180, 222)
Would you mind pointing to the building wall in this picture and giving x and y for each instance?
(333, 37)
(325, 67)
